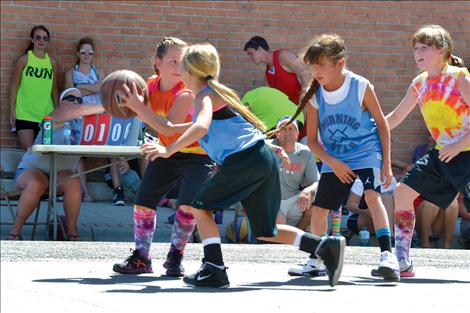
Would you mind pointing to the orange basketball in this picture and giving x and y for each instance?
(111, 91)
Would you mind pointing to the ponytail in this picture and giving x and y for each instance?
(456, 61)
(231, 98)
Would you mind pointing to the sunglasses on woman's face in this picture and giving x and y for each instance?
(83, 52)
(39, 37)
(72, 98)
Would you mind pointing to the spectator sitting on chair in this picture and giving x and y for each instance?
(126, 174)
(300, 181)
(32, 174)
(432, 222)
(464, 222)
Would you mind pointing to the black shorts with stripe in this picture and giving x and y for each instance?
(438, 182)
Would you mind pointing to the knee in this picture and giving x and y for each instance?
(35, 187)
(372, 198)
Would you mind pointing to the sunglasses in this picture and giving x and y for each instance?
(73, 98)
(83, 52)
(39, 37)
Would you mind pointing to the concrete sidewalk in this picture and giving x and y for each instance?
(45, 276)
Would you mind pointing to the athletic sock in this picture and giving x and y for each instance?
(336, 221)
(183, 227)
(309, 243)
(383, 237)
(144, 228)
(213, 251)
(404, 225)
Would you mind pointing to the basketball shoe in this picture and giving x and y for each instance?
(209, 275)
(134, 264)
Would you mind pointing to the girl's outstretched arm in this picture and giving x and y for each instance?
(196, 131)
(406, 105)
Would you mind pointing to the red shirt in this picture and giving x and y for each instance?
(285, 81)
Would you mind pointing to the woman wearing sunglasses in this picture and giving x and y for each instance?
(32, 174)
(87, 78)
(33, 90)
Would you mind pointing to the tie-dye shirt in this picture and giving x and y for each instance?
(445, 112)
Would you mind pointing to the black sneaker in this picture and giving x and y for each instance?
(331, 251)
(135, 264)
(208, 275)
(118, 196)
(173, 264)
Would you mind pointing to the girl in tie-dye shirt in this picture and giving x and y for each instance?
(442, 91)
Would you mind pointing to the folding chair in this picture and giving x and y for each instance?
(9, 194)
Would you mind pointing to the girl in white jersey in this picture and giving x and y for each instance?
(442, 92)
(345, 113)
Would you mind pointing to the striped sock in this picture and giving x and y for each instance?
(145, 221)
(183, 228)
(336, 221)
(383, 237)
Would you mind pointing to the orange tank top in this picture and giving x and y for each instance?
(161, 103)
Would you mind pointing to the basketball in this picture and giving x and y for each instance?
(239, 231)
(111, 92)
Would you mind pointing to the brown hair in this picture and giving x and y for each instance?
(162, 48)
(328, 45)
(84, 41)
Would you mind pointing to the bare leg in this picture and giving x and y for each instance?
(429, 213)
(34, 183)
(85, 193)
(305, 219)
(319, 221)
(72, 201)
(450, 219)
(25, 138)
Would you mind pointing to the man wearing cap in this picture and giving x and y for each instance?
(299, 182)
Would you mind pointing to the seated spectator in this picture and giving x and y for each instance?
(432, 222)
(299, 182)
(360, 216)
(32, 175)
(87, 78)
(124, 175)
(464, 222)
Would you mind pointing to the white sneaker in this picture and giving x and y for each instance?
(312, 268)
(388, 267)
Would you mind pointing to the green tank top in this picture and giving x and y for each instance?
(34, 100)
(270, 104)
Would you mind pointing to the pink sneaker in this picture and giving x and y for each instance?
(406, 270)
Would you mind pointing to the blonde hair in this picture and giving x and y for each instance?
(164, 45)
(202, 61)
(331, 46)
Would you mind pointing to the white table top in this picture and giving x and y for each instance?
(88, 150)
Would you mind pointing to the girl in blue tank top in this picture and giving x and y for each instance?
(343, 109)
(247, 171)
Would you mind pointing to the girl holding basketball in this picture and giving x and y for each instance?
(248, 171)
(169, 102)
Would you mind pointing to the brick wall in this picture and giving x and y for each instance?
(377, 35)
